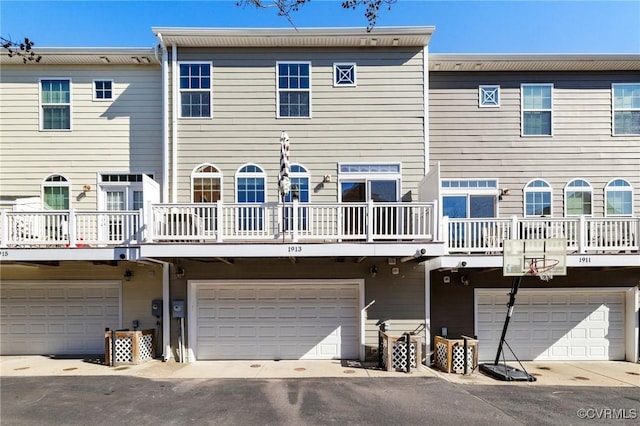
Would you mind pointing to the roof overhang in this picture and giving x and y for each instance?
(89, 56)
(533, 62)
(292, 37)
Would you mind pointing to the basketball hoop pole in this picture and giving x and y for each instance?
(515, 285)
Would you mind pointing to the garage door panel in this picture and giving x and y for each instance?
(576, 325)
(280, 321)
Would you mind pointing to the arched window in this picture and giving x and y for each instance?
(578, 196)
(618, 198)
(537, 198)
(250, 188)
(206, 184)
(55, 193)
(299, 184)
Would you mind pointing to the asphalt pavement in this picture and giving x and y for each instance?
(38, 391)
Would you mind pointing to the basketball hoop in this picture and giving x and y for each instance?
(543, 268)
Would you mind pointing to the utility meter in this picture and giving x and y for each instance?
(177, 308)
(156, 308)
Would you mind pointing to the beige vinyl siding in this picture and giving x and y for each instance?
(380, 120)
(473, 142)
(124, 134)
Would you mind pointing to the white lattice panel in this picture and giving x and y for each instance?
(400, 356)
(146, 347)
(441, 356)
(123, 350)
(458, 359)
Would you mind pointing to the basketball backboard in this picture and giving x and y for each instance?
(542, 257)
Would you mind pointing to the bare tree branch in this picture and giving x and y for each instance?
(22, 49)
(286, 7)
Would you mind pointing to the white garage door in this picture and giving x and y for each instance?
(57, 318)
(553, 325)
(299, 320)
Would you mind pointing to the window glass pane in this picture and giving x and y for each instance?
(206, 190)
(115, 201)
(138, 201)
(578, 203)
(56, 198)
(454, 206)
(383, 190)
(56, 117)
(619, 203)
(626, 122)
(537, 123)
(301, 186)
(353, 191)
(482, 206)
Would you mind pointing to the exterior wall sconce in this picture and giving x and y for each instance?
(128, 274)
(179, 272)
(373, 271)
(503, 193)
(86, 188)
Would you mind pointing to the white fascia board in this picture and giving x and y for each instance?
(290, 250)
(573, 261)
(63, 253)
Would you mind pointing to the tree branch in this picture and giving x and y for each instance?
(23, 49)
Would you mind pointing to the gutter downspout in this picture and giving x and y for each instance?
(174, 124)
(425, 97)
(165, 122)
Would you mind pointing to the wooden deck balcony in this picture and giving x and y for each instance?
(295, 222)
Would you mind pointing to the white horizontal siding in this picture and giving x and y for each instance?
(119, 135)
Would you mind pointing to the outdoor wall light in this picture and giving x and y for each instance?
(373, 271)
(179, 272)
(128, 274)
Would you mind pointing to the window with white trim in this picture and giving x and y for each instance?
(488, 96)
(299, 190)
(344, 74)
(195, 89)
(250, 188)
(626, 108)
(537, 109)
(469, 198)
(55, 104)
(537, 198)
(294, 89)
(206, 184)
(578, 196)
(102, 90)
(55, 193)
(618, 198)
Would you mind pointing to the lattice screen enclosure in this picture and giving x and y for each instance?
(129, 347)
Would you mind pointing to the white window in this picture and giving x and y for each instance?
(578, 196)
(251, 188)
(618, 198)
(102, 90)
(537, 109)
(294, 89)
(55, 193)
(344, 75)
(55, 104)
(488, 96)
(537, 198)
(195, 89)
(626, 108)
(206, 184)
(469, 198)
(361, 182)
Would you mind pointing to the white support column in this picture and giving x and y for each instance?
(294, 230)
(427, 310)
(582, 235)
(174, 124)
(71, 228)
(4, 228)
(166, 313)
(515, 232)
(370, 221)
(219, 221)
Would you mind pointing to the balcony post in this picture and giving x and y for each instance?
(4, 228)
(149, 224)
(71, 231)
(582, 235)
(370, 221)
(294, 231)
(444, 231)
(515, 231)
(219, 221)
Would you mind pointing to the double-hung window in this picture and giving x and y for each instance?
(294, 89)
(55, 104)
(195, 89)
(537, 104)
(626, 109)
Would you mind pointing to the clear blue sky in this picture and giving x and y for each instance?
(539, 26)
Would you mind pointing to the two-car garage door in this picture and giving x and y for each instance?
(553, 324)
(274, 320)
(57, 317)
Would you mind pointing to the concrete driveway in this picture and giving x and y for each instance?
(582, 373)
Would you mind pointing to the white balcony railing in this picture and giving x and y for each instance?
(583, 234)
(293, 221)
(307, 222)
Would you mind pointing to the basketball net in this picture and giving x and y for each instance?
(543, 268)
